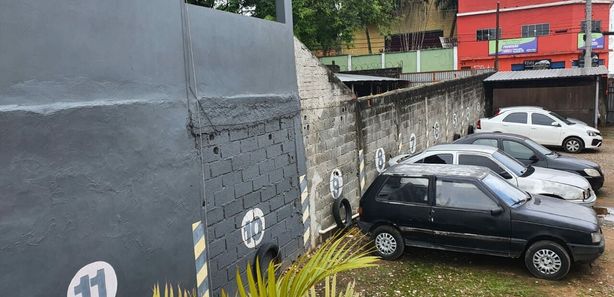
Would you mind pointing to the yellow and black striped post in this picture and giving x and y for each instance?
(361, 171)
(305, 205)
(200, 258)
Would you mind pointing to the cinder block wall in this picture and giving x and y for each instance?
(338, 129)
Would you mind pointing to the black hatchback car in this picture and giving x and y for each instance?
(472, 209)
(530, 152)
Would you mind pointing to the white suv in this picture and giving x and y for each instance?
(544, 127)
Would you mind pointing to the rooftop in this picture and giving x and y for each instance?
(344, 77)
(438, 170)
(546, 74)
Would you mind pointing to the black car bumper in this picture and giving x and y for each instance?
(595, 181)
(587, 253)
(364, 226)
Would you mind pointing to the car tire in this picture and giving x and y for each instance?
(547, 260)
(268, 252)
(389, 243)
(342, 212)
(573, 145)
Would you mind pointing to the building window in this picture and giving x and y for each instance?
(596, 27)
(535, 30)
(486, 34)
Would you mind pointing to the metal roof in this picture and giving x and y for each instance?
(437, 170)
(344, 77)
(546, 74)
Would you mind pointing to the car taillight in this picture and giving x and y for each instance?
(498, 111)
(478, 125)
(360, 211)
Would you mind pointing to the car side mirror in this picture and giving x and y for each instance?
(534, 159)
(497, 211)
(505, 174)
(555, 124)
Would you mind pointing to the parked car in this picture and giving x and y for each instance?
(472, 209)
(538, 107)
(530, 152)
(536, 180)
(544, 127)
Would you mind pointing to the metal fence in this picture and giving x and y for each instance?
(429, 77)
(610, 103)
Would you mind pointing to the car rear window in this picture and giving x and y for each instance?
(516, 117)
(404, 189)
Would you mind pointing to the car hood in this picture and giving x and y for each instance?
(548, 176)
(542, 208)
(567, 162)
(583, 127)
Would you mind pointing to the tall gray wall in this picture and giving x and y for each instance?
(109, 114)
(340, 130)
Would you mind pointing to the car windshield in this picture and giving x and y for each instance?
(511, 195)
(510, 163)
(540, 148)
(561, 118)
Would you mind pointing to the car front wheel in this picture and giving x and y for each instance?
(547, 260)
(389, 243)
(573, 145)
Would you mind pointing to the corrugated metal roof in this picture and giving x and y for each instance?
(344, 77)
(546, 74)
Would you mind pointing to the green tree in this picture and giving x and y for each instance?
(379, 13)
(448, 6)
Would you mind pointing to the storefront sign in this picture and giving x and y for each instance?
(598, 41)
(514, 46)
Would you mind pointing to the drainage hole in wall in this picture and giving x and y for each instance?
(211, 137)
(270, 136)
(216, 150)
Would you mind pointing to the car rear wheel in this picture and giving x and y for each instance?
(547, 260)
(573, 145)
(389, 243)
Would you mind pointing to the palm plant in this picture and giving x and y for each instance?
(169, 291)
(336, 255)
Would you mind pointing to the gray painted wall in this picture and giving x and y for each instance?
(102, 115)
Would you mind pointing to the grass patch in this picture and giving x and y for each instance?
(432, 273)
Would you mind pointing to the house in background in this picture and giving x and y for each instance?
(545, 33)
(421, 27)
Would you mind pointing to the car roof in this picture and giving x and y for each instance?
(521, 107)
(463, 147)
(495, 135)
(438, 170)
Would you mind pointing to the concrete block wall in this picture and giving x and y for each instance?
(337, 128)
(250, 167)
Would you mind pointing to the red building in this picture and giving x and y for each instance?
(546, 32)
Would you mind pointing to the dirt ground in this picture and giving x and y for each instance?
(422, 272)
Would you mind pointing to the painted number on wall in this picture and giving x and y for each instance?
(252, 227)
(436, 130)
(336, 183)
(96, 279)
(380, 160)
(455, 120)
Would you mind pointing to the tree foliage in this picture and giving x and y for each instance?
(319, 24)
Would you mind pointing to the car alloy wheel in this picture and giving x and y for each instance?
(547, 261)
(573, 145)
(386, 244)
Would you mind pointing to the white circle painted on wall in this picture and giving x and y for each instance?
(96, 279)
(436, 130)
(336, 183)
(412, 143)
(252, 227)
(380, 160)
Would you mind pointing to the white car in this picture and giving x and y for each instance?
(544, 127)
(536, 180)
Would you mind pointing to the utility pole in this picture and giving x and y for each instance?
(588, 35)
(497, 39)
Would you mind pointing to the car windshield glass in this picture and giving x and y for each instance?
(511, 195)
(540, 148)
(561, 118)
(510, 163)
